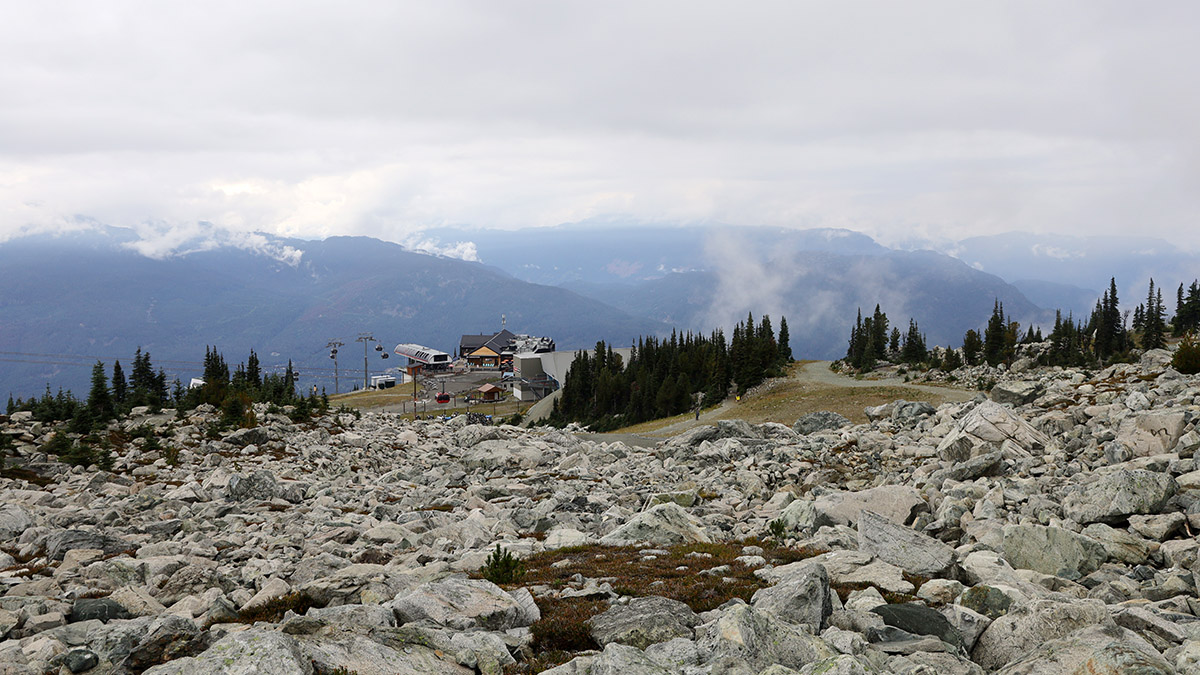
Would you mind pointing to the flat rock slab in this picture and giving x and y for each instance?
(845, 567)
(1153, 432)
(897, 503)
(349, 652)
(58, 543)
(902, 546)
(643, 622)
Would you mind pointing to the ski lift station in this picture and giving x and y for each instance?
(426, 357)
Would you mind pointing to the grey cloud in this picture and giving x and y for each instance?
(385, 118)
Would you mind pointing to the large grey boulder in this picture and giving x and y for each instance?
(820, 421)
(167, 637)
(745, 635)
(969, 623)
(1119, 494)
(897, 503)
(192, 580)
(802, 597)
(994, 423)
(921, 620)
(1093, 650)
(1025, 627)
(1052, 550)
(370, 616)
(14, 520)
(101, 609)
(902, 546)
(1016, 393)
(259, 486)
(842, 664)
(970, 468)
(1153, 432)
(901, 411)
(492, 455)
(58, 543)
(360, 583)
(663, 525)
(616, 659)
(350, 652)
(253, 652)
(845, 567)
(252, 436)
(643, 622)
(1155, 359)
(988, 425)
(461, 604)
(1119, 544)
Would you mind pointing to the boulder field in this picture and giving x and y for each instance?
(1049, 529)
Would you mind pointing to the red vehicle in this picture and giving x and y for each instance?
(443, 398)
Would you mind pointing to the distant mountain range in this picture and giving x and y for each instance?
(101, 293)
(90, 294)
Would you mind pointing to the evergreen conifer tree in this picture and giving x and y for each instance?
(972, 346)
(914, 344)
(99, 403)
(120, 389)
(1154, 324)
(994, 335)
(785, 347)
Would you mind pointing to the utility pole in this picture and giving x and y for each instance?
(333, 349)
(365, 338)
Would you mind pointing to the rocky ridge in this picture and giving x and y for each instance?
(1048, 529)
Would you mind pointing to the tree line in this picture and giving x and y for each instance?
(671, 376)
(115, 395)
(1107, 336)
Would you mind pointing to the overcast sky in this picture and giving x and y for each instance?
(898, 119)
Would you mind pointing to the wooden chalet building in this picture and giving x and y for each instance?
(486, 351)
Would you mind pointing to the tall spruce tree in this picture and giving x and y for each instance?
(1154, 327)
(972, 347)
(120, 388)
(99, 402)
(914, 344)
(994, 335)
(785, 347)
